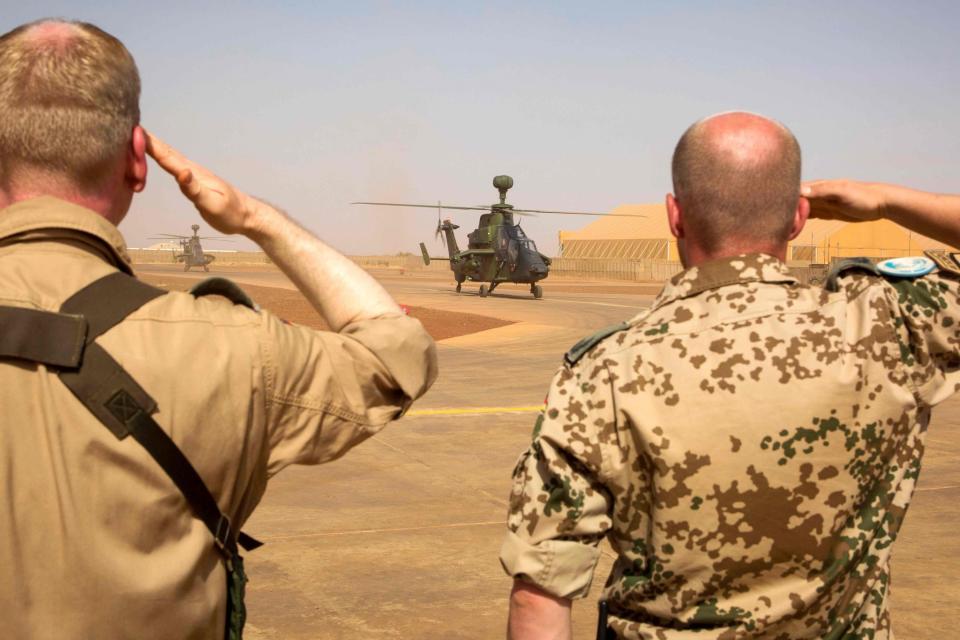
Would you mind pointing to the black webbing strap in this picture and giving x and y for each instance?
(54, 339)
(116, 399)
(107, 301)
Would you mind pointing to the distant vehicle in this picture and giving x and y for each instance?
(191, 252)
(498, 250)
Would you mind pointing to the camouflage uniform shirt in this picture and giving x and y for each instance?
(748, 446)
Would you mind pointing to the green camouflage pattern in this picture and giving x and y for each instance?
(749, 447)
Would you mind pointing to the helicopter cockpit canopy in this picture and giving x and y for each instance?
(511, 242)
(522, 239)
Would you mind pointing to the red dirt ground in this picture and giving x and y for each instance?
(293, 307)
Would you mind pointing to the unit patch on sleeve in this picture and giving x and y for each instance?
(948, 261)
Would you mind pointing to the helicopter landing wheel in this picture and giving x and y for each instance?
(186, 267)
(537, 291)
(483, 291)
(206, 268)
(458, 287)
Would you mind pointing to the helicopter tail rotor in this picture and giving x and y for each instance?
(438, 233)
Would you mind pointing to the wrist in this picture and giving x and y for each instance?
(258, 219)
(897, 203)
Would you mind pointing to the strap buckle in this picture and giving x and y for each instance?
(221, 537)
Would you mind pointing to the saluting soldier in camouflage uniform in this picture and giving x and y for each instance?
(748, 445)
(140, 426)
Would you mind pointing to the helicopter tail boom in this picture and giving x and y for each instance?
(447, 228)
(427, 257)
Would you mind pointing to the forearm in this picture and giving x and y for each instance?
(934, 215)
(338, 289)
(536, 615)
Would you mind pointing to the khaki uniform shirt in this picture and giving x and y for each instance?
(748, 446)
(95, 540)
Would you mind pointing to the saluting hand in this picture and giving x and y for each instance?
(846, 200)
(222, 206)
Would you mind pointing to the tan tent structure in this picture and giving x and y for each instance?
(821, 241)
(646, 238)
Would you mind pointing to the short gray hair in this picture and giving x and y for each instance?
(69, 104)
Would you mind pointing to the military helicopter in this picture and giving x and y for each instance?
(191, 252)
(498, 250)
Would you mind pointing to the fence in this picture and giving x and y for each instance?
(601, 269)
(586, 268)
(592, 268)
(154, 256)
(827, 253)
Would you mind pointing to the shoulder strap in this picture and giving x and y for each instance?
(223, 287)
(115, 398)
(845, 266)
(53, 339)
(580, 349)
(107, 301)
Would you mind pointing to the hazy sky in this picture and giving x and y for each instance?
(312, 105)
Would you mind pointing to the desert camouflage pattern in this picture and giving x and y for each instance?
(749, 447)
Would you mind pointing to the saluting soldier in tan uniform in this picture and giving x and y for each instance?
(97, 539)
(748, 445)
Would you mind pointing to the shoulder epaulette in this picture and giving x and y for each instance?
(846, 266)
(580, 349)
(898, 269)
(948, 261)
(226, 288)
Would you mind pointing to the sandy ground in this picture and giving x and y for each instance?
(400, 538)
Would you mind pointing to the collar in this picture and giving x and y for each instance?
(753, 267)
(49, 218)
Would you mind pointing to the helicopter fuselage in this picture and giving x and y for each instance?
(498, 251)
(193, 255)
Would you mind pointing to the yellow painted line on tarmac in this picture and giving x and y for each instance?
(949, 486)
(598, 304)
(467, 411)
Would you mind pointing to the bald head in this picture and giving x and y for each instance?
(736, 178)
(69, 95)
(51, 34)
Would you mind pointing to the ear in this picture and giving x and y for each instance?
(136, 174)
(674, 217)
(799, 217)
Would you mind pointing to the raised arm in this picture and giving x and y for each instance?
(340, 290)
(931, 214)
(537, 615)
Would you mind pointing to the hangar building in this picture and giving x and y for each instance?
(821, 241)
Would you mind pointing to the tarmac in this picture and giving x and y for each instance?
(400, 538)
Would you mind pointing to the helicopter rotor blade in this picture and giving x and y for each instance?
(520, 211)
(164, 236)
(578, 213)
(424, 206)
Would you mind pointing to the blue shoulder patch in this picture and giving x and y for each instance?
(912, 267)
(580, 349)
(901, 268)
